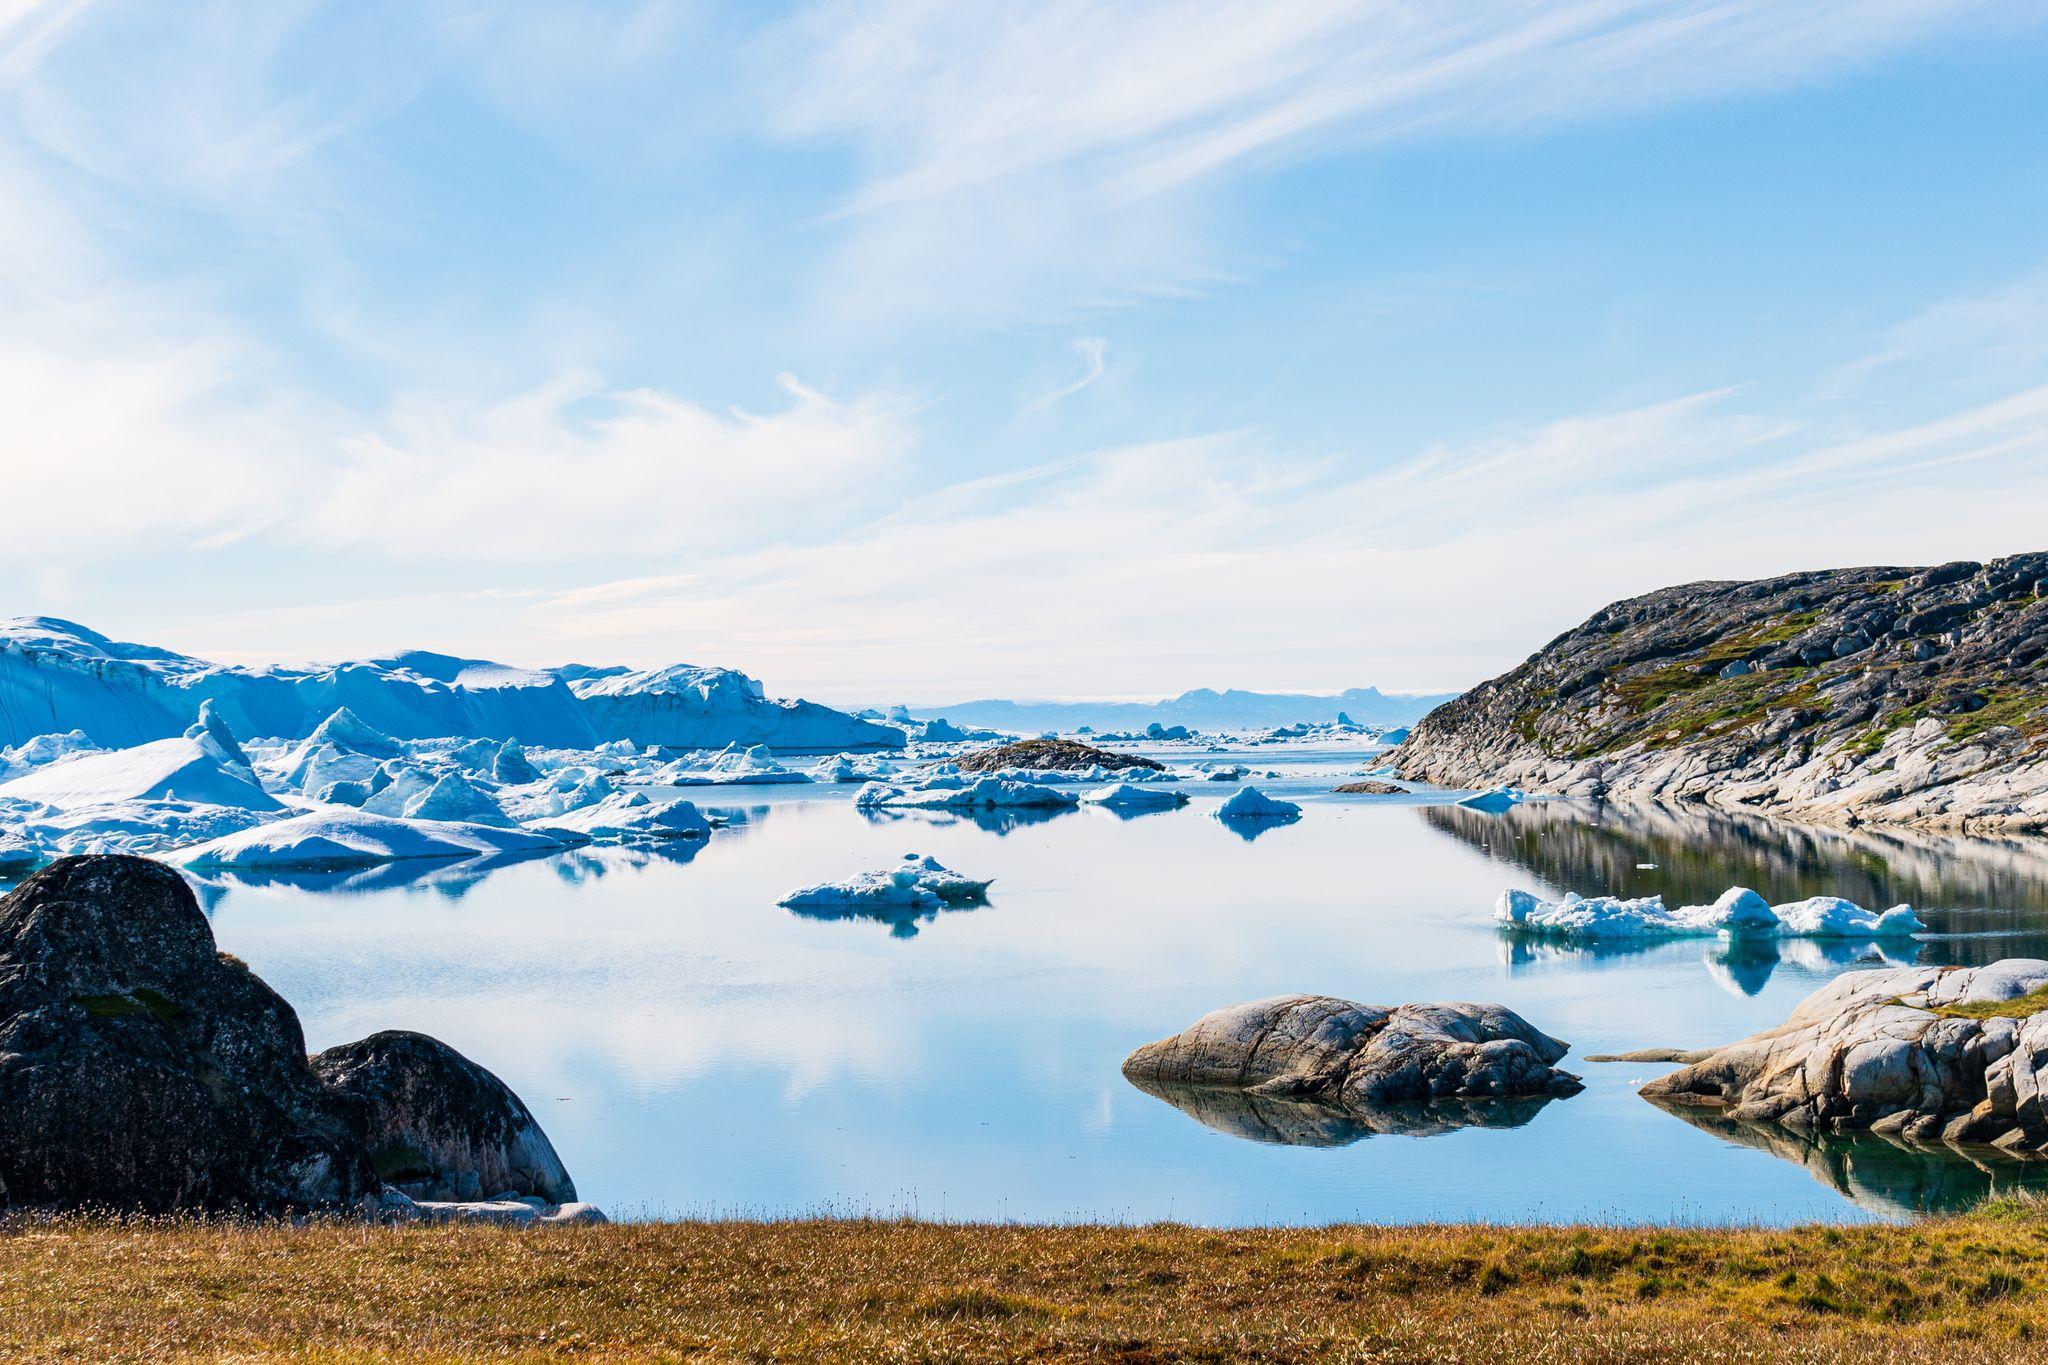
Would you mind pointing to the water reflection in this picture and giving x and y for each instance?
(1884, 1175)
(1977, 885)
(997, 820)
(1742, 966)
(452, 878)
(1294, 1122)
(903, 921)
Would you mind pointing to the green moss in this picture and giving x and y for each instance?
(2019, 1007)
(2020, 708)
(141, 1001)
(400, 1162)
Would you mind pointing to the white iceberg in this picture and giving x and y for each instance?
(1494, 800)
(920, 883)
(1131, 796)
(340, 837)
(848, 768)
(196, 768)
(1738, 913)
(415, 792)
(951, 791)
(1249, 803)
(627, 816)
(731, 766)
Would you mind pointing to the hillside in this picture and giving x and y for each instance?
(1886, 695)
(57, 676)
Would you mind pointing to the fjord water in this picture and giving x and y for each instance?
(693, 1049)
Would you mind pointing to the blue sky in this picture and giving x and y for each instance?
(895, 349)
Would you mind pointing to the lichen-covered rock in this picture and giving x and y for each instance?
(1062, 755)
(1874, 695)
(1360, 1056)
(1871, 1051)
(142, 1069)
(440, 1127)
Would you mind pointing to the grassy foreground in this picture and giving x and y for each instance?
(1962, 1289)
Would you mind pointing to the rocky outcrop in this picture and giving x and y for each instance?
(440, 1127)
(1887, 695)
(1929, 1056)
(1362, 1058)
(142, 1069)
(1062, 755)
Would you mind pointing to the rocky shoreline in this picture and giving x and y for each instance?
(1841, 697)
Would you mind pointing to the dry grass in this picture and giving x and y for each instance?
(2019, 1007)
(1954, 1290)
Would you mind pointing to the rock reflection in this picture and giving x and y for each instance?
(1884, 1175)
(1972, 884)
(998, 820)
(1293, 1122)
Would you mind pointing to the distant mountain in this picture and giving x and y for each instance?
(1202, 709)
(57, 676)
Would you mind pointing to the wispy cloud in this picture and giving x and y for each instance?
(1094, 353)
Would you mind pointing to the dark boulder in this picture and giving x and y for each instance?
(1063, 755)
(438, 1125)
(142, 1069)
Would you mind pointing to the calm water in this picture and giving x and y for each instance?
(691, 1048)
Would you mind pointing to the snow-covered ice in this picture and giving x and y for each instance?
(1249, 803)
(340, 837)
(626, 816)
(1493, 801)
(1739, 912)
(952, 791)
(919, 883)
(732, 766)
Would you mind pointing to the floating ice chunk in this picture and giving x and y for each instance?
(352, 838)
(951, 791)
(919, 884)
(845, 768)
(17, 855)
(511, 766)
(1493, 801)
(191, 768)
(1224, 772)
(625, 816)
(421, 793)
(1249, 803)
(41, 750)
(731, 766)
(1738, 913)
(1130, 796)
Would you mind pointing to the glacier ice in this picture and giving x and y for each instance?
(630, 816)
(918, 883)
(1131, 796)
(339, 837)
(1249, 803)
(1739, 912)
(734, 765)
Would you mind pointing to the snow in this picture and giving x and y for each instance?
(43, 749)
(1738, 913)
(417, 792)
(340, 837)
(732, 766)
(192, 768)
(627, 816)
(1131, 796)
(919, 883)
(845, 768)
(1249, 803)
(57, 675)
(951, 791)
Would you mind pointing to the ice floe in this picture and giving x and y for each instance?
(731, 766)
(1131, 796)
(1249, 803)
(919, 883)
(1739, 912)
(1494, 800)
(955, 791)
(628, 816)
(340, 837)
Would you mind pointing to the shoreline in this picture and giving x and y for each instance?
(1959, 1288)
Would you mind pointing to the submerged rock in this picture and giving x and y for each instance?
(1360, 1056)
(1882, 1052)
(142, 1069)
(438, 1126)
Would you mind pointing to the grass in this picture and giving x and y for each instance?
(1964, 1289)
(141, 1000)
(2019, 1007)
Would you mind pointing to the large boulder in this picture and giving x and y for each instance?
(140, 1068)
(1932, 1056)
(1052, 755)
(438, 1125)
(1364, 1057)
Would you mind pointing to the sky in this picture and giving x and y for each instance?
(901, 350)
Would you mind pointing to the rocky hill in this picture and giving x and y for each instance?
(1908, 696)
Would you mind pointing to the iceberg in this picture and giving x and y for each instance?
(1738, 913)
(1493, 801)
(951, 791)
(628, 816)
(414, 791)
(341, 837)
(846, 768)
(57, 675)
(1131, 796)
(1249, 803)
(920, 883)
(195, 768)
(732, 766)
(41, 750)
